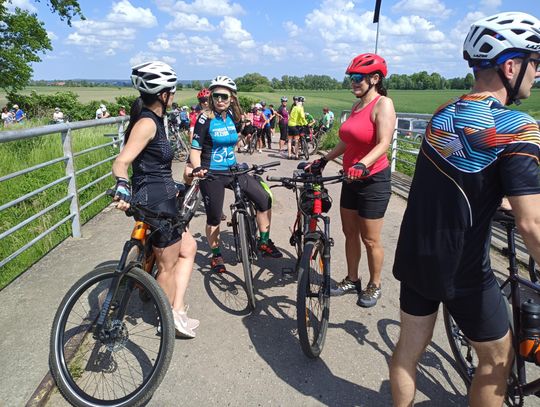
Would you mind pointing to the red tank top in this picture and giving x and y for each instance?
(359, 133)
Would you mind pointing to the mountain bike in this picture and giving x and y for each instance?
(303, 146)
(178, 139)
(113, 334)
(513, 288)
(313, 290)
(243, 222)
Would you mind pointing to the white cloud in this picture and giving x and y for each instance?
(200, 50)
(94, 36)
(490, 4)
(125, 12)
(292, 29)
(233, 32)
(169, 60)
(160, 44)
(141, 57)
(275, 51)
(202, 7)
(110, 52)
(52, 36)
(433, 8)
(22, 4)
(184, 21)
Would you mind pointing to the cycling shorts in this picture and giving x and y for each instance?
(482, 316)
(163, 235)
(294, 131)
(213, 192)
(283, 131)
(368, 196)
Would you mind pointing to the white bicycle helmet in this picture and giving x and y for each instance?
(153, 77)
(223, 81)
(499, 34)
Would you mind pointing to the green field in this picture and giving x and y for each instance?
(410, 101)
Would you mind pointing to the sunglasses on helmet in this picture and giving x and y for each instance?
(222, 96)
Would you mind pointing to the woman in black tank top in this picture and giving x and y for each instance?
(149, 153)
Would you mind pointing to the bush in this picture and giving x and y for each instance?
(246, 102)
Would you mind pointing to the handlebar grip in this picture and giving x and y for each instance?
(271, 178)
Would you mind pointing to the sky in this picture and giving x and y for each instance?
(204, 38)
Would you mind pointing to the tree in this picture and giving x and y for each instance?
(23, 37)
(250, 81)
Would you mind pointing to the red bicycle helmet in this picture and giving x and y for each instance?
(203, 93)
(366, 64)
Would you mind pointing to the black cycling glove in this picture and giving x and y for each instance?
(122, 189)
(317, 166)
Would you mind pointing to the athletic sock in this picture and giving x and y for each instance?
(264, 237)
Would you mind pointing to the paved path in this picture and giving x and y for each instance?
(238, 358)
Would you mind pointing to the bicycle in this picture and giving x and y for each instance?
(313, 246)
(112, 338)
(464, 354)
(243, 222)
(177, 138)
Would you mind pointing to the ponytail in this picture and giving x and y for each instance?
(136, 109)
(379, 87)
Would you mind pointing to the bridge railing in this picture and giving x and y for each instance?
(70, 176)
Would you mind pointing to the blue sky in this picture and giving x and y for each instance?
(204, 38)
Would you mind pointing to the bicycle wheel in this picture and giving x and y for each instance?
(246, 258)
(312, 300)
(181, 151)
(464, 354)
(534, 271)
(304, 147)
(313, 145)
(124, 363)
(252, 144)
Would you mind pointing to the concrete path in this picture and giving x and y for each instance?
(238, 358)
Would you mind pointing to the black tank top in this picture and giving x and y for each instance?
(152, 175)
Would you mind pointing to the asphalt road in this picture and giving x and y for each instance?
(238, 358)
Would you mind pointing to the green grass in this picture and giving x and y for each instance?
(410, 101)
(37, 150)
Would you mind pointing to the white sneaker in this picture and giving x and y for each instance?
(182, 325)
(192, 323)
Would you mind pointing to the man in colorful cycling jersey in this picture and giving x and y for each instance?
(475, 152)
(214, 139)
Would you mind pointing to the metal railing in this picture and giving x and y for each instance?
(70, 177)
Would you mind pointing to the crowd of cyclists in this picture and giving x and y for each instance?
(475, 152)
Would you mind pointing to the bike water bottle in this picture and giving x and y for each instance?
(529, 346)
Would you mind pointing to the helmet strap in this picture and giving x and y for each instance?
(513, 91)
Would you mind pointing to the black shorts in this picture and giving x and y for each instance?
(164, 235)
(294, 131)
(213, 192)
(482, 316)
(368, 196)
(283, 131)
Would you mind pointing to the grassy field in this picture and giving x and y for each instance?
(410, 101)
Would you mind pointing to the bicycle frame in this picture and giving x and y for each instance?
(515, 281)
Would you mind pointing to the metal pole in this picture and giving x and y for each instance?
(377, 38)
(72, 184)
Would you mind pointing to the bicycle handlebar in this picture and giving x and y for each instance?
(306, 178)
(141, 211)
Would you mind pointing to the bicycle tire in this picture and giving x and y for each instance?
(245, 257)
(304, 146)
(534, 271)
(181, 152)
(252, 144)
(465, 363)
(82, 364)
(312, 295)
(313, 145)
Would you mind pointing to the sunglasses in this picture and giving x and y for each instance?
(535, 61)
(203, 100)
(357, 77)
(222, 96)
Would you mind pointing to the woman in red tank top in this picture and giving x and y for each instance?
(364, 141)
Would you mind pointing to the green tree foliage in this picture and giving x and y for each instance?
(23, 37)
(253, 82)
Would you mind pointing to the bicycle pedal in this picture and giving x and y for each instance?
(331, 242)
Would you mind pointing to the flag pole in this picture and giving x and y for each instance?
(376, 13)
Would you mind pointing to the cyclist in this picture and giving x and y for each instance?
(259, 121)
(267, 130)
(184, 118)
(283, 123)
(297, 120)
(327, 120)
(174, 117)
(149, 153)
(364, 140)
(475, 151)
(202, 97)
(214, 140)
